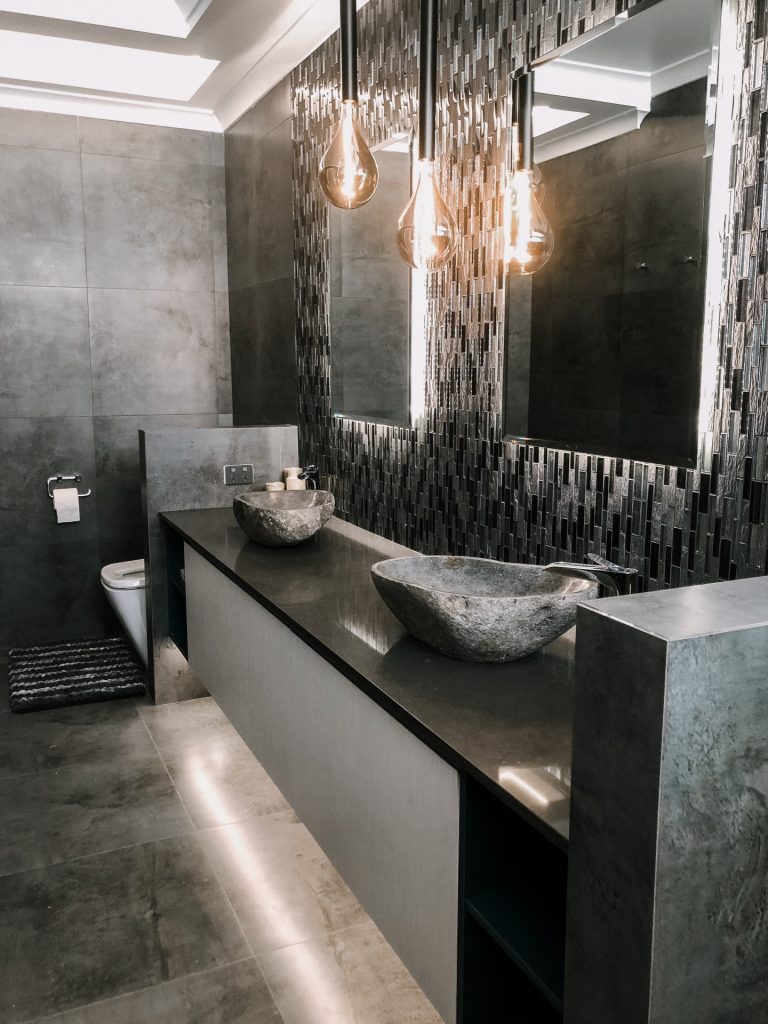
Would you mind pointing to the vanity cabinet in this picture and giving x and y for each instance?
(384, 807)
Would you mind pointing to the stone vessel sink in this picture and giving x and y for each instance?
(476, 609)
(280, 519)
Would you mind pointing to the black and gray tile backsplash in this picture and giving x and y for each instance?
(451, 484)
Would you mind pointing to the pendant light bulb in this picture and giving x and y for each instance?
(426, 234)
(348, 171)
(529, 240)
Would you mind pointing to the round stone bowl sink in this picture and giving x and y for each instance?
(476, 609)
(280, 519)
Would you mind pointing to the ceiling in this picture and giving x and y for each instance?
(202, 63)
(183, 63)
(607, 80)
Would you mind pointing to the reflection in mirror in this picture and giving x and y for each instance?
(370, 300)
(603, 345)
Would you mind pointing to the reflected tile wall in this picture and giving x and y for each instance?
(452, 485)
(113, 316)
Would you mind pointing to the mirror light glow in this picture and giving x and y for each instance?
(159, 17)
(119, 69)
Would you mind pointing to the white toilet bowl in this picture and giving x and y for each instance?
(125, 586)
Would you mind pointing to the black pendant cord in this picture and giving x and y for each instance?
(349, 50)
(428, 78)
(524, 117)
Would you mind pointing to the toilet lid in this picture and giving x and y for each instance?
(124, 575)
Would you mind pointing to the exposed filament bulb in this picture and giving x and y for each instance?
(426, 233)
(528, 238)
(348, 172)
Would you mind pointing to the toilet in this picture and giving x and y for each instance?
(125, 586)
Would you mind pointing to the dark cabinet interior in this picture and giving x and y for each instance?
(177, 592)
(512, 916)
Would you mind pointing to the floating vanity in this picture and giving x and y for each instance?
(441, 790)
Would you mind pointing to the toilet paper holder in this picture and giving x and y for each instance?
(60, 479)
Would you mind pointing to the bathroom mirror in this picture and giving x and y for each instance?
(370, 299)
(604, 343)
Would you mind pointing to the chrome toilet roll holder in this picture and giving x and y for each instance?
(60, 479)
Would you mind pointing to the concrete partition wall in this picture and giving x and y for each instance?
(183, 469)
(668, 866)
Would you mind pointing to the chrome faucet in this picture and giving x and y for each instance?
(616, 579)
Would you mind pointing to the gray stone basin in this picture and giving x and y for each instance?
(280, 519)
(476, 609)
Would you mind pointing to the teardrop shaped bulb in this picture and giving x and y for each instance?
(348, 171)
(529, 240)
(426, 231)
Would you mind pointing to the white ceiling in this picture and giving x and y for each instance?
(611, 77)
(202, 63)
(182, 63)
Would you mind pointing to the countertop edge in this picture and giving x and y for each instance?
(401, 715)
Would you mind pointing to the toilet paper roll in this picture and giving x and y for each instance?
(276, 485)
(290, 472)
(292, 484)
(66, 502)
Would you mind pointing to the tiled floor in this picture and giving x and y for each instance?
(150, 871)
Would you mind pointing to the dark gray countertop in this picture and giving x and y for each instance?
(509, 726)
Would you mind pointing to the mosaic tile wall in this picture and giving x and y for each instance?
(450, 484)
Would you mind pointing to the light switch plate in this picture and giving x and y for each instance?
(236, 476)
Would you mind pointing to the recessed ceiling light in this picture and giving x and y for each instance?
(159, 17)
(549, 119)
(81, 65)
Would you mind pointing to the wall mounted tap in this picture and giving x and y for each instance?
(616, 579)
(312, 476)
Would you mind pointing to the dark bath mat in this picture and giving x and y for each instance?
(56, 675)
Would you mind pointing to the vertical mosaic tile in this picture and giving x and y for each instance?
(451, 484)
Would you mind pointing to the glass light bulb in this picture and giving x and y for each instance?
(348, 171)
(426, 231)
(529, 241)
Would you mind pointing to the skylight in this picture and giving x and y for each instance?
(160, 17)
(106, 68)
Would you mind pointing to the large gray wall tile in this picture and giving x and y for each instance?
(153, 352)
(158, 359)
(41, 200)
(260, 208)
(144, 141)
(219, 228)
(37, 130)
(263, 341)
(50, 584)
(148, 224)
(45, 359)
(118, 479)
(224, 401)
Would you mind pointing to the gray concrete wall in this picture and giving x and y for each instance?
(183, 469)
(260, 232)
(113, 316)
(668, 866)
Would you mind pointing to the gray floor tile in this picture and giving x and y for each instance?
(187, 725)
(350, 977)
(42, 740)
(235, 994)
(222, 782)
(102, 926)
(84, 809)
(282, 886)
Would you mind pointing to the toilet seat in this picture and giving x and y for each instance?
(125, 575)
